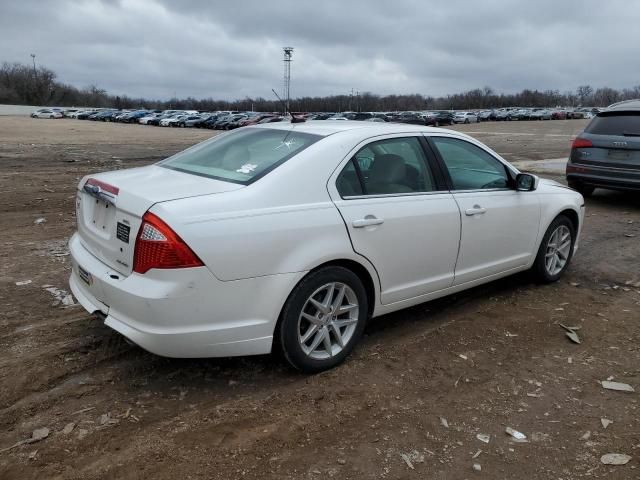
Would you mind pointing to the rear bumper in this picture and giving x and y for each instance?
(183, 312)
(603, 177)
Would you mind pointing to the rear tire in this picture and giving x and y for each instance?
(323, 319)
(580, 187)
(556, 250)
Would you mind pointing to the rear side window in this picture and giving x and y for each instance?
(386, 167)
(619, 123)
(242, 156)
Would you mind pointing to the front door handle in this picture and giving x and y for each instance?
(476, 210)
(367, 221)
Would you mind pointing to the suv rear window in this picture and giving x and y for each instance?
(615, 123)
(242, 156)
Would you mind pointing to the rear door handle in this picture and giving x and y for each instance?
(476, 210)
(367, 221)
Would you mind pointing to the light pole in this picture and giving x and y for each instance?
(288, 53)
(33, 57)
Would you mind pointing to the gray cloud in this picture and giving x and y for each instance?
(200, 48)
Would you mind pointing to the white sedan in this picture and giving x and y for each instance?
(46, 113)
(171, 121)
(296, 234)
(465, 117)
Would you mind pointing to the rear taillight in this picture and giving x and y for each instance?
(582, 143)
(158, 246)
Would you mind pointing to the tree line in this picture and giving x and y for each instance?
(22, 84)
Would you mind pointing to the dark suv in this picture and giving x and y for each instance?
(607, 153)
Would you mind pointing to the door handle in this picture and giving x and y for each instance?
(476, 210)
(367, 221)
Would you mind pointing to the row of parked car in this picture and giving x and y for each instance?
(228, 120)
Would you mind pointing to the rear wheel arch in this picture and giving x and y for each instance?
(357, 268)
(362, 273)
(286, 340)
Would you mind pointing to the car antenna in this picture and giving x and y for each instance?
(294, 119)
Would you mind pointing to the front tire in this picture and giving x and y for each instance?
(556, 250)
(323, 319)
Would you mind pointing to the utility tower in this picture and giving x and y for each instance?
(288, 53)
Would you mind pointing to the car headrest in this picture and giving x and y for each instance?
(388, 168)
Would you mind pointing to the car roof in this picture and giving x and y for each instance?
(627, 105)
(328, 127)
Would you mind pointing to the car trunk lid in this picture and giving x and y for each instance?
(110, 206)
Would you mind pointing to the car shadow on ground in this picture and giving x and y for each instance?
(612, 198)
(437, 311)
(146, 370)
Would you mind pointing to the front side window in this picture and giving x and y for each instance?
(392, 166)
(243, 156)
(469, 166)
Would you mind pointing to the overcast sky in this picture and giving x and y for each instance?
(233, 49)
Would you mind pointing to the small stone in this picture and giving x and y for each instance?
(516, 435)
(39, 434)
(40, 221)
(483, 437)
(615, 459)
(605, 422)
(621, 387)
(477, 467)
(342, 461)
(68, 428)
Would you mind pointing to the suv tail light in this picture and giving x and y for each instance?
(582, 143)
(158, 246)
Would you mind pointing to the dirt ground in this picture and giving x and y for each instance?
(410, 401)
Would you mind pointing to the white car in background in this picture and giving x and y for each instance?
(168, 122)
(297, 234)
(145, 120)
(465, 117)
(46, 113)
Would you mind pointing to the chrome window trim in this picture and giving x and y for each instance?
(393, 195)
(480, 190)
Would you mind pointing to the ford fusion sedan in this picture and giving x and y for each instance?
(291, 236)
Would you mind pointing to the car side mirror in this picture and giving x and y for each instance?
(526, 182)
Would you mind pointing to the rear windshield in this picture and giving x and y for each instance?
(242, 156)
(618, 123)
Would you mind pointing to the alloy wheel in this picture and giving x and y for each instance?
(558, 250)
(328, 320)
